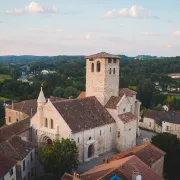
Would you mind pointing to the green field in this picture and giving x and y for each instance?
(4, 77)
(3, 99)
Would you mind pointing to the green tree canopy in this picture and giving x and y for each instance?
(58, 92)
(60, 157)
(171, 145)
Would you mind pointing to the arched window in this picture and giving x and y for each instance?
(78, 139)
(52, 124)
(119, 134)
(110, 129)
(46, 122)
(89, 138)
(92, 67)
(100, 132)
(114, 71)
(17, 120)
(98, 66)
(110, 71)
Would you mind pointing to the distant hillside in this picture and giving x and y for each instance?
(145, 57)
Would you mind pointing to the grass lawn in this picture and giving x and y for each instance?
(132, 87)
(3, 99)
(4, 77)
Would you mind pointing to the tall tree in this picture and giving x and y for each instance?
(60, 157)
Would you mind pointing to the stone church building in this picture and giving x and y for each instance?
(100, 119)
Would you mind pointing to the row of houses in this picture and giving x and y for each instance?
(161, 121)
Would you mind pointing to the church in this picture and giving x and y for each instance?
(103, 118)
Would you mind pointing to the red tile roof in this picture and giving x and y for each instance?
(67, 176)
(148, 153)
(127, 92)
(82, 95)
(16, 148)
(83, 114)
(113, 101)
(6, 163)
(125, 167)
(127, 117)
(102, 55)
(14, 129)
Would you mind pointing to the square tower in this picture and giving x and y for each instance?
(102, 76)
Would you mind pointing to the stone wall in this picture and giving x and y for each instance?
(13, 116)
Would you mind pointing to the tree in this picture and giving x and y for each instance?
(58, 92)
(171, 145)
(70, 91)
(60, 157)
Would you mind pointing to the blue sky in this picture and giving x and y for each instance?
(81, 27)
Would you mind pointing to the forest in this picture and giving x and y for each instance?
(69, 78)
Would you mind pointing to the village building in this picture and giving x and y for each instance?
(161, 121)
(7, 168)
(105, 118)
(15, 143)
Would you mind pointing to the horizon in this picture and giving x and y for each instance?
(52, 28)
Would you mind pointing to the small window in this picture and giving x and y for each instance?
(9, 119)
(32, 172)
(36, 132)
(51, 123)
(24, 165)
(98, 66)
(109, 60)
(149, 124)
(119, 134)
(78, 139)
(100, 132)
(89, 138)
(110, 71)
(92, 67)
(46, 122)
(11, 172)
(167, 128)
(129, 129)
(114, 71)
(110, 129)
(124, 109)
(114, 60)
(17, 120)
(31, 157)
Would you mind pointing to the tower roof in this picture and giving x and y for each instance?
(102, 55)
(41, 98)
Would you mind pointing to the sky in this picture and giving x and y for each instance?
(83, 27)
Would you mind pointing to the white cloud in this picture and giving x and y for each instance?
(151, 34)
(132, 12)
(176, 33)
(33, 7)
(88, 35)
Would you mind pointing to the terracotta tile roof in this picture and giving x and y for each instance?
(82, 95)
(113, 101)
(159, 116)
(127, 117)
(28, 107)
(83, 114)
(148, 153)
(16, 148)
(127, 92)
(6, 163)
(14, 129)
(102, 55)
(67, 176)
(125, 167)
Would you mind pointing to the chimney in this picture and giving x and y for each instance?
(12, 105)
(146, 141)
(76, 176)
(135, 174)
(106, 160)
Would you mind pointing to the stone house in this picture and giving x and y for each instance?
(100, 119)
(126, 168)
(7, 168)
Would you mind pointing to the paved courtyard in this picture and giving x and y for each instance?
(94, 162)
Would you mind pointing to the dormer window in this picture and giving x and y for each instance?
(98, 66)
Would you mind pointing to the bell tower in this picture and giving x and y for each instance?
(102, 76)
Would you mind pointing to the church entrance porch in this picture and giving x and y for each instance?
(90, 150)
(45, 140)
